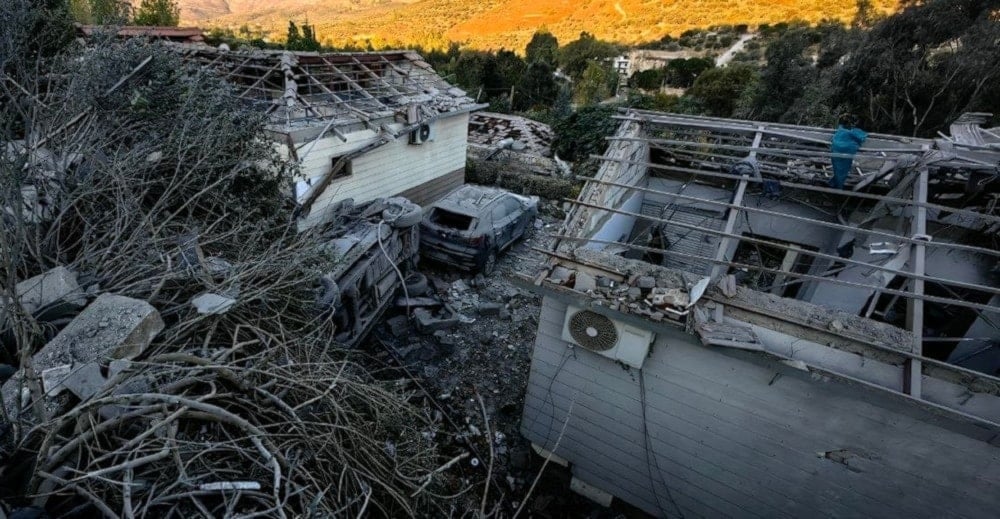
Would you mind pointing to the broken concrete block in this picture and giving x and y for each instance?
(836, 326)
(52, 379)
(117, 366)
(85, 381)
(669, 297)
(560, 275)
(584, 282)
(213, 304)
(728, 285)
(49, 295)
(489, 309)
(112, 327)
(634, 293)
(646, 282)
(428, 323)
(404, 301)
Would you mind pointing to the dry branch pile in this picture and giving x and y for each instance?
(149, 181)
(231, 433)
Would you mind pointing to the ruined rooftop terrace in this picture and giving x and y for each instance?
(728, 230)
(310, 92)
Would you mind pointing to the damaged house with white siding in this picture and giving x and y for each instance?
(361, 125)
(723, 334)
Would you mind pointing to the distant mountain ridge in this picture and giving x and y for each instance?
(492, 24)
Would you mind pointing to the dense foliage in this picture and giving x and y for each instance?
(162, 13)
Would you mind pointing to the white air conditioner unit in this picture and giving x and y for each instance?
(421, 135)
(608, 337)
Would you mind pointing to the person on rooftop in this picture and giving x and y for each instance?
(847, 140)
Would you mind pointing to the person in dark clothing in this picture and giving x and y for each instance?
(847, 140)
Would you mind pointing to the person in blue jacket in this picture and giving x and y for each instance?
(846, 140)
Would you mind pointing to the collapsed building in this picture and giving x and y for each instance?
(723, 334)
(360, 125)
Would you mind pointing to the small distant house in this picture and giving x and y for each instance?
(361, 125)
(173, 34)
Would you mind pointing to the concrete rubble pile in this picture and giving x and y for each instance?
(629, 286)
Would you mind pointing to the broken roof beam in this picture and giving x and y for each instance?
(404, 73)
(866, 153)
(805, 187)
(759, 268)
(720, 123)
(785, 247)
(378, 79)
(792, 247)
(821, 223)
(734, 214)
(913, 372)
(259, 80)
(350, 82)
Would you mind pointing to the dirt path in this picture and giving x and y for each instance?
(727, 56)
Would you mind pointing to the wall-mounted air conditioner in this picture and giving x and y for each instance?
(421, 135)
(608, 337)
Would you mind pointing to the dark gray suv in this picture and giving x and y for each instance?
(470, 226)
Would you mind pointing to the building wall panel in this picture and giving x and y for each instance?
(388, 170)
(743, 437)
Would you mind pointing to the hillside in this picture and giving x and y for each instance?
(492, 24)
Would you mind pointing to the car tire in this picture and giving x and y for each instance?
(416, 284)
(489, 263)
(402, 214)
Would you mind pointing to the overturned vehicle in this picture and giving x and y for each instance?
(376, 245)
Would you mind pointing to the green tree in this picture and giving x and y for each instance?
(293, 37)
(682, 73)
(718, 89)
(304, 40)
(109, 12)
(574, 56)
(162, 13)
(651, 79)
(584, 132)
(786, 75)
(537, 87)
(471, 67)
(543, 48)
(593, 86)
(917, 71)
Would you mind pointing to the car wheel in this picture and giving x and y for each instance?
(402, 214)
(489, 263)
(416, 285)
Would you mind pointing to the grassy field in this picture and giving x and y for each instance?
(494, 24)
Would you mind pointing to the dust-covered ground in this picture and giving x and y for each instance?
(486, 355)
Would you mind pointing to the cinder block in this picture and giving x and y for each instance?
(112, 327)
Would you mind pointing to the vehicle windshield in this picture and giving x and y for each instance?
(457, 221)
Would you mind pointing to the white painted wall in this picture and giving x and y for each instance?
(619, 226)
(385, 171)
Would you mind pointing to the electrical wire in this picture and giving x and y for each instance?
(650, 454)
(548, 393)
(406, 293)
